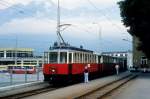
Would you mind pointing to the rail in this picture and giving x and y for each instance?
(26, 91)
(106, 89)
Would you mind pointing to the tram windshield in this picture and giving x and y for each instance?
(56, 57)
(53, 57)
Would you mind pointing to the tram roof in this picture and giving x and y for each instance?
(69, 48)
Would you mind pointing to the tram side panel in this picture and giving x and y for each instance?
(73, 71)
(78, 70)
(55, 72)
(107, 68)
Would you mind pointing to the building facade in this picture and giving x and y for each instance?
(127, 55)
(19, 56)
(121, 54)
(139, 58)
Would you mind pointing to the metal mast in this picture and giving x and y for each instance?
(60, 38)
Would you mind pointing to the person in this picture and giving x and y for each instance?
(86, 74)
(117, 69)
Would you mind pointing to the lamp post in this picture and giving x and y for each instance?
(130, 42)
(99, 37)
(129, 55)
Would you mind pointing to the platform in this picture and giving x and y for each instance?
(77, 90)
(20, 88)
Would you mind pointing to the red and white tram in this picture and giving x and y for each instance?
(22, 69)
(66, 63)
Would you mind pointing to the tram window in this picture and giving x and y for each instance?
(63, 57)
(10, 67)
(17, 67)
(90, 59)
(30, 67)
(26, 67)
(74, 57)
(86, 59)
(70, 57)
(45, 57)
(99, 59)
(104, 59)
(81, 58)
(94, 58)
(53, 57)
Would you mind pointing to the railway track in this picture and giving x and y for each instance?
(32, 92)
(106, 89)
(29, 93)
(95, 94)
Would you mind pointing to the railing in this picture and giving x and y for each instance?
(10, 78)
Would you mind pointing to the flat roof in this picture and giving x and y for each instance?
(18, 49)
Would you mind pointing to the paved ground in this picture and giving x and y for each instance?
(136, 89)
(73, 91)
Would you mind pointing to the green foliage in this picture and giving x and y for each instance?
(136, 15)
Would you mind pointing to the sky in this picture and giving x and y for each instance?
(95, 24)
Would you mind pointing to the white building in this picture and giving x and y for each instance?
(127, 55)
(19, 56)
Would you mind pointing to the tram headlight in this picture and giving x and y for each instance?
(53, 70)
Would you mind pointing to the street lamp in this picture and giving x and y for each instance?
(129, 41)
(99, 37)
(65, 26)
(129, 55)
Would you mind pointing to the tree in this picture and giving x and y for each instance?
(136, 15)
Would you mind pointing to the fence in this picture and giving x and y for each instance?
(10, 78)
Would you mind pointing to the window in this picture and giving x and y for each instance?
(70, 57)
(86, 59)
(9, 54)
(143, 61)
(63, 57)
(1, 54)
(53, 57)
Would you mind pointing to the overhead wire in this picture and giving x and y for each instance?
(107, 18)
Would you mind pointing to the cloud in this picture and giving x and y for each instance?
(73, 4)
(28, 25)
(6, 4)
(80, 26)
(68, 4)
(32, 9)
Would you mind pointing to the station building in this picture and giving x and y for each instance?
(127, 55)
(122, 54)
(19, 56)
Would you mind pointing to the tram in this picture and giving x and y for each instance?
(3, 69)
(22, 69)
(66, 63)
